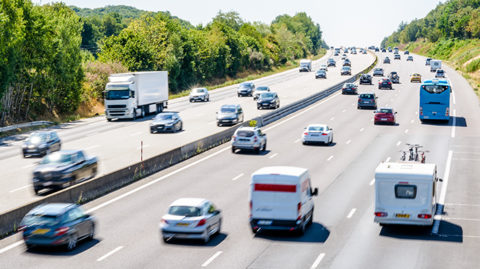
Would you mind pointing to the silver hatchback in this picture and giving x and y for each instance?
(249, 138)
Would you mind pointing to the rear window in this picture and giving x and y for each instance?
(187, 211)
(39, 219)
(405, 191)
(245, 133)
(385, 110)
(316, 128)
(366, 96)
(434, 88)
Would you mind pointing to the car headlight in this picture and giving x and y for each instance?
(169, 124)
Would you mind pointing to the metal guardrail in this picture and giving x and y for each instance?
(24, 125)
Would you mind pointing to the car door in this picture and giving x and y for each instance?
(82, 166)
(213, 216)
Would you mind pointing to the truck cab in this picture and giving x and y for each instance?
(305, 65)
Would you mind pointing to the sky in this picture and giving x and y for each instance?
(343, 23)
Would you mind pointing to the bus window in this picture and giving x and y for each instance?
(435, 88)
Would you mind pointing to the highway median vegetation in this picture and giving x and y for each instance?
(55, 59)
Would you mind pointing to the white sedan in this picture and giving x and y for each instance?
(317, 133)
(191, 218)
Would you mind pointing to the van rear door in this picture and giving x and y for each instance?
(275, 201)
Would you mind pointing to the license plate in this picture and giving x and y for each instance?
(264, 222)
(315, 135)
(244, 140)
(41, 231)
(383, 119)
(366, 102)
(405, 216)
(182, 224)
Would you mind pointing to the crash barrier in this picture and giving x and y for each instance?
(92, 189)
(25, 125)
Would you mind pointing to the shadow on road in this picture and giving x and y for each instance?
(252, 152)
(319, 144)
(315, 233)
(61, 251)
(448, 232)
(459, 122)
(214, 241)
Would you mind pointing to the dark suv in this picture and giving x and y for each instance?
(245, 89)
(385, 83)
(41, 143)
(349, 88)
(366, 79)
(367, 100)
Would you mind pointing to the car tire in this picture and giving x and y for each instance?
(264, 146)
(134, 117)
(29, 246)
(108, 119)
(219, 229)
(72, 242)
(208, 99)
(218, 124)
(142, 112)
(191, 100)
(303, 228)
(258, 107)
(36, 191)
(331, 141)
(233, 149)
(257, 151)
(207, 237)
(24, 155)
(310, 221)
(254, 230)
(181, 127)
(304, 142)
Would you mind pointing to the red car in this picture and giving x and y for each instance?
(384, 115)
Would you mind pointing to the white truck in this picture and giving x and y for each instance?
(405, 193)
(434, 65)
(305, 65)
(130, 95)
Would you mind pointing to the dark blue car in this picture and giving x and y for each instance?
(57, 224)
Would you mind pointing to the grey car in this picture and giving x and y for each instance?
(378, 72)
(229, 115)
(245, 89)
(268, 100)
(41, 143)
(249, 138)
(386, 60)
(166, 122)
(199, 94)
(346, 70)
(321, 74)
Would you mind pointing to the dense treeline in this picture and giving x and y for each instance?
(53, 58)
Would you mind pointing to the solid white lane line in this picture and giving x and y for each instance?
(297, 140)
(21, 188)
(317, 261)
(237, 177)
(91, 147)
(186, 167)
(329, 158)
(273, 156)
(207, 262)
(398, 143)
(348, 141)
(361, 129)
(136, 133)
(443, 193)
(372, 182)
(454, 123)
(453, 97)
(406, 130)
(9, 247)
(388, 159)
(350, 215)
(465, 219)
(109, 254)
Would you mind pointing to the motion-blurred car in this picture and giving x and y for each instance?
(245, 89)
(367, 100)
(384, 115)
(416, 77)
(396, 57)
(385, 83)
(166, 122)
(249, 138)
(56, 224)
(440, 73)
(268, 100)
(317, 133)
(365, 79)
(229, 114)
(331, 62)
(199, 94)
(386, 60)
(191, 218)
(378, 72)
(410, 58)
(62, 169)
(406, 52)
(259, 90)
(41, 143)
(346, 70)
(349, 88)
(320, 74)
(394, 77)
(427, 61)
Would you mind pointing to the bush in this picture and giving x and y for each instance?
(473, 65)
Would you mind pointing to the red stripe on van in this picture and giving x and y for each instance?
(275, 187)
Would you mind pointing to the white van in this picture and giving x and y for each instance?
(281, 199)
(405, 193)
(434, 65)
(305, 65)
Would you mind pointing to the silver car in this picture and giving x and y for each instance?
(191, 218)
(249, 138)
(259, 90)
(199, 94)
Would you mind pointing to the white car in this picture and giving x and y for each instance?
(191, 218)
(323, 67)
(199, 94)
(259, 90)
(317, 133)
(249, 138)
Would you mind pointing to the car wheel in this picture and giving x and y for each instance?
(254, 230)
(108, 119)
(218, 124)
(233, 149)
(310, 221)
(181, 127)
(304, 142)
(91, 234)
(264, 146)
(258, 107)
(207, 237)
(257, 151)
(331, 140)
(142, 112)
(134, 114)
(219, 228)
(303, 228)
(72, 242)
(208, 99)
(36, 191)
(94, 172)
(29, 246)
(24, 155)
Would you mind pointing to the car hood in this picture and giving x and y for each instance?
(157, 122)
(226, 115)
(45, 168)
(265, 100)
(28, 144)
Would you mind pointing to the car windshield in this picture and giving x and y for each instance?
(345, 68)
(56, 158)
(40, 219)
(439, 71)
(245, 85)
(316, 128)
(385, 110)
(117, 93)
(393, 73)
(366, 96)
(321, 71)
(200, 90)
(378, 70)
(245, 133)
(262, 88)
(187, 211)
(164, 117)
(349, 85)
(227, 110)
(267, 95)
(37, 138)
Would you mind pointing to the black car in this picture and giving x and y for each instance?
(384, 50)
(394, 77)
(347, 62)
(331, 62)
(56, 224)
(62, 169)
(320, 74)
(41, 143)
(386, 60)
(367, 100)
(229, 114)
(365, 79)
(385, 84)
(349, 88)
(245, 89)
(376, 49)
(166, 122)
(396, 57)
(268, 100)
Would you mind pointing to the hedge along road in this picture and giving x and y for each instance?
(117, 144)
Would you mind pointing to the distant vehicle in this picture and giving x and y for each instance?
(385, 83)
(354, 52)
(56, 224)
(199, 94)
(305, 65)
(410, 58)
(435, 100)
(331, 62)
(384, 115)
(349, 88)
(165, 122)
(365, 79)
(384, 50)
(323, 67)
(245, 89)
(440, 73)
(367, 100)
(321, 74)
(378, 72)
(259, 90)
(434, 65)
(191, 218)
(396, 57)
(406, 52)
(62, 169)
(336, 53)
(394, 77)
(249, 138)
(416, 77)
(377, 50)
(344, 56)
(389, 49)
(317, 133)
(130, 95)
(346, 70)
(427, 61)
(281, 199)
(395, 50)
(347, 63)
(405, 193)
(364, 52)
(268, 100)
(229, 114)
(41, 143)
(386, 60)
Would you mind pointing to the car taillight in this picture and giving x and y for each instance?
(324, 133)
(251, 205)
(389, 83)
(447, 111)
(234, 138)
(381, 214)
(61, 231)
(164, 221)
(306, 133)
(424, 216)
(421, 111)
(299, 208)
(201, 222)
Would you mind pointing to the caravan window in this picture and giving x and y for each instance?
(405, 191)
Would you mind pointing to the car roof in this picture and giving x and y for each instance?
(53, 209)
(246, 129)
(367, 93)
(189, 202)
(68, 151)
(317, 124)
(284, 170)
(385, 108)
(406, 168)
(229, 106)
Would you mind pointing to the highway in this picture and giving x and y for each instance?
(343, 234)
(117, 144)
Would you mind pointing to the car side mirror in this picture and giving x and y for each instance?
(216, 212)
(395, 112)
(315, 192)
(439, 179)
